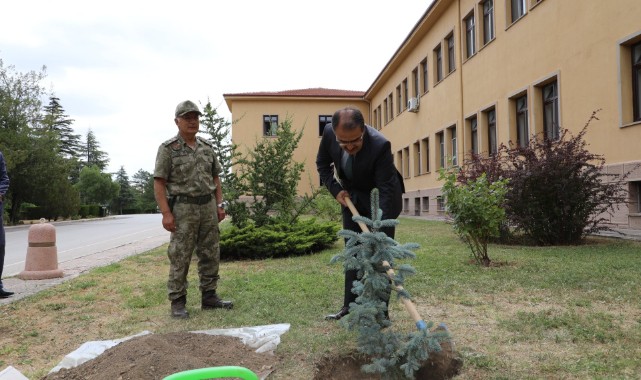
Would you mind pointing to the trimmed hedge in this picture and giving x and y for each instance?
(277, 240)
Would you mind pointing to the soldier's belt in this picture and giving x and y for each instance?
(201, 200)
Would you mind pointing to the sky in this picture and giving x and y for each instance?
(121, 67)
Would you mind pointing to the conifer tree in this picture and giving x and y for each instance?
(55, 120)
(93, 155)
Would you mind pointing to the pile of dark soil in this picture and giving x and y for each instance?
(156, 356)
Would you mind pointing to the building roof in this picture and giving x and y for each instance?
(307, 92)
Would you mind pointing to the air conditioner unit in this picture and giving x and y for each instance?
(412, 105)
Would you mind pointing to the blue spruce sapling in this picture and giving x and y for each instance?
(373, 254)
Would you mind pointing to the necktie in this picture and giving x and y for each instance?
(347, 166)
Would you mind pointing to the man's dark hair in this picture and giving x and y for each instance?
(352, 118)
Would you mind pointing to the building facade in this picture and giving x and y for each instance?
(473, 74)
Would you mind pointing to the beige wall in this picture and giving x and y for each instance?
(580, 44)
(247, 127)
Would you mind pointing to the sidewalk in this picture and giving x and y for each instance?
(74, 268)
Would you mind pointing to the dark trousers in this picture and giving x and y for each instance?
(1, 262)
(352, 275)
(2, 242)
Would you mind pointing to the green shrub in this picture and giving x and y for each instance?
(90, 211)
(277, 240)
(476, 210)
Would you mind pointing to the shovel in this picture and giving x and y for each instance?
(409, 306)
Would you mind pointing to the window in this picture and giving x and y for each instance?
(391, 107)
(453, 147)
(323, 120)
(416, 153)
(415, 84)
(440, 203)
(635, 197)
(521, 121)
(488, 21)
(636, 80)
(470, 36)
(629, 80)
(451, 64)
(517, 9)
(406, 162)
(386, 111)
(417, 206)
(425, 201)
(425, 155)
(551, 111)
(474, 138)
(424, 77)
(379, 125)
(405, 94)
(441, 149)
(438, 58)
(399, 99)
(270, 125)
(491, 131)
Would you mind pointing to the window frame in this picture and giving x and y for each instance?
(320, 120)
(440, 138)
(451, 53)
(405, 99)
(424, 78)
(415, 83)
(636, 81)
(474, 135)
(470, 35)
(453, 144)
(492, 142)
(488, 21)
(438, 62)
(518, 9)
(551, 132)
(270, 125)
(521, 120)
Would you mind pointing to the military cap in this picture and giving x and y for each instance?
(186, 106)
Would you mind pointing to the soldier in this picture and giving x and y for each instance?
(188, 192)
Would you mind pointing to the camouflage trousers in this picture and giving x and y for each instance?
(196, 230)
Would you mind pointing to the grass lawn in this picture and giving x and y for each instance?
(551, 312)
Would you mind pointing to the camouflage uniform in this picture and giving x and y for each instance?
(190, 173)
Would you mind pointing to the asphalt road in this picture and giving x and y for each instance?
(80, 246)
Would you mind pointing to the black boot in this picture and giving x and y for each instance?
(341, 313)
(4, 293)
(210, 300)
(178, 307)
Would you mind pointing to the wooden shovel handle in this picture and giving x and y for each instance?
(409, 306)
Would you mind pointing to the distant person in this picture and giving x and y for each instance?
(188, 191)
(4, 187)
(362, 159)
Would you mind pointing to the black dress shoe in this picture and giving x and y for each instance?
(5, 293)
(341, 313)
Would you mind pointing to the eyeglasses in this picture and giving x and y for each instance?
(351, 142)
